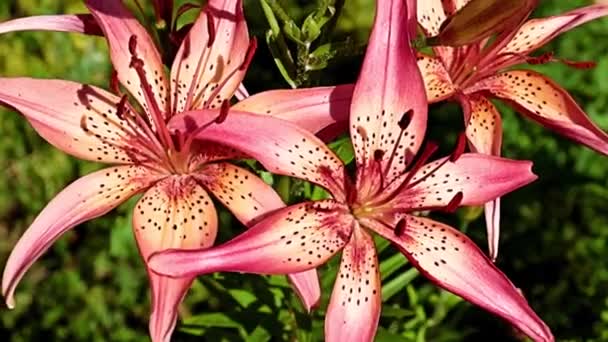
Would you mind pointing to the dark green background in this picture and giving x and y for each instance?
(91, 285)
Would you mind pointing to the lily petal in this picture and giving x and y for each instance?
(295, 151)
(431, 15)
(480, 178)
(545, 102)
(311, 108)
(452, 261)
(250, 199)
(175, 213)
(537, 32)
(244, 193)
(119, 26)
(78, 23)
(294, 239)
(208, 66)
(436, 78)
(389, 91)
(354, 307)
(88, 197)
(78, 119)
(484, 132)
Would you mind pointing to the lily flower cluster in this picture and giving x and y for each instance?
(170, 136)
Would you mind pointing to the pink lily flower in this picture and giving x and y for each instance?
(175, 173)
(388, 118)
(474, 73)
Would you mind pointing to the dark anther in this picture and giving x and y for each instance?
(579, 65)
(454, 203)
(542, 59)
(406, 118)
(378, 154)
(114, 84)
(400, 227)
(253, 45)
(121, 107)
(459, 150)
(133, 45)
(210, 29)
(223, 112)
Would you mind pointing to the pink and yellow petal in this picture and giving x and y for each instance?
(354, 307)
(250, 199)
(484, 133)
(545, 102)
(291, 240)
(311, 108)
(78, 119)
(122, 30)
(175, 213)
(437, 82)
(389, 108)
(537, 32)
(88, 197)
(431, 15)
(452, 261)
(208, 67)
(294, 151)
(78, 23)
(480, 178)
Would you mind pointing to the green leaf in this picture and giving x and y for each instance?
(394, 286)
(392, 264)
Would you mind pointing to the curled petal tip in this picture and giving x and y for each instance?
(10, 302)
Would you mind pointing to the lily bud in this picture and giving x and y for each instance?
(479, 19)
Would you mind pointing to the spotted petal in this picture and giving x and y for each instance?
(354, 307)
(175, 213)
(431, 15)
(480, 178)
(436, 78)
(484, 132)
(452, 261)
(545, 102)
(79, 23)
(294, 239)
(311, 108)
(389, 91)
(78, 119)
(119, 26)
(88, 197)
(208, 66)
(282, 147)
(537, 32)
(250, 199)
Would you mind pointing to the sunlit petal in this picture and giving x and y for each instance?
(78, 119)
(119, 26)
(430, 15)
(354, 308)
(88, 197)
(480, 178)
(294, 239)
(436, 78)
(282, 147)
(175, 213)
(389, 107)
(545, 102)
(452, 261)
(484, 132)
(207, 68)
(537, 32)
(311, 108)
(79, 23)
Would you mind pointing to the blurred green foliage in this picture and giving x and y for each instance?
(91, 285)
